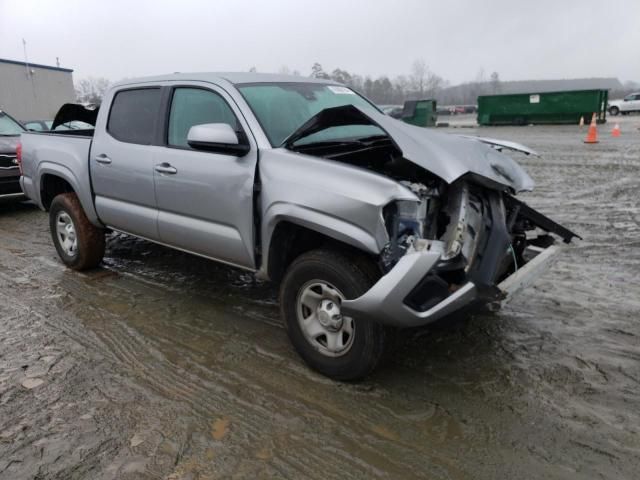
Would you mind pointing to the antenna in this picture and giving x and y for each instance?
(26, 61)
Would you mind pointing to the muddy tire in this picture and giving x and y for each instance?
(341, 348)
(79, 243)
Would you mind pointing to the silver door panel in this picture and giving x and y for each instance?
(203, 237)
(129, 217)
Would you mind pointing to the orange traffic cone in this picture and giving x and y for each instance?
(616, 131)
(592, 134)
(581, 122)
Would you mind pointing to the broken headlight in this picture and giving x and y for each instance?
(405, 221)
(409, 220)
(411, 217)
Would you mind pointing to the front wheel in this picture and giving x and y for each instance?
(79, 243)
(614, 111)
(340, 347)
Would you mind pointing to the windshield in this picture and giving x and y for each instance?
(8, 126)
(282, 108)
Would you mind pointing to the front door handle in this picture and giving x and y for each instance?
(166, 168)
(102, 158)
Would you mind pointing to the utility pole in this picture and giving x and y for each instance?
(58, 62)
(26, 60)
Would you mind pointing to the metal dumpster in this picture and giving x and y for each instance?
(540, 108)
(421, 113)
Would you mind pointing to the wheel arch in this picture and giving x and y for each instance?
(52, 184)
(289, 238)
(54, 179)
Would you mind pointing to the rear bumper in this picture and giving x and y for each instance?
(26, 183)
(385, 301)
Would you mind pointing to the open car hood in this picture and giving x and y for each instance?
(70, 112)
(445, 155)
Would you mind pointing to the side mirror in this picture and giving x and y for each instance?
(218, 138)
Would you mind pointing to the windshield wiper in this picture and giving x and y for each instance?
(357, 142)
(372, 138)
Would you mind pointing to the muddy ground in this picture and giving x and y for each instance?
(163, 365)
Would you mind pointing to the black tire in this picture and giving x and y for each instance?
(90, 239)
(352, 279)
(614, 111)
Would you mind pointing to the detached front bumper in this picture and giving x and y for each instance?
(386, 303)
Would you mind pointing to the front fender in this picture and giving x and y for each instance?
(320, 222)
(337, 200)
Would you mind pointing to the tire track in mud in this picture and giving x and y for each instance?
(202, 400)
(122, 344)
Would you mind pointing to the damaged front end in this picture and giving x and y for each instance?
(466, 244)
(464, 238)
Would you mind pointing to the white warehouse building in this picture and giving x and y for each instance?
(29, 91)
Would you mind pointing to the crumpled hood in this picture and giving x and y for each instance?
(452, 156)
(445, 155)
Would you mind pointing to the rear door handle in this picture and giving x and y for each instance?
(102, 158)
(166, 168)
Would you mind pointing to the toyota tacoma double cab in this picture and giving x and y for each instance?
(368, 224)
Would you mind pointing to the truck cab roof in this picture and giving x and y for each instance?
(235, 78)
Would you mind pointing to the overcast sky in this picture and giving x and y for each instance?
(520, 39)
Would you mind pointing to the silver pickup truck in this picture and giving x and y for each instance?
(367, 223)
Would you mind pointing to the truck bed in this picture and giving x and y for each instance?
(65, 151)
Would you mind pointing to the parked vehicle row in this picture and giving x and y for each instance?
(456, 109)
(367, 223)
(10, 131)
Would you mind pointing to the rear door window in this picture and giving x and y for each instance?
(134, 114)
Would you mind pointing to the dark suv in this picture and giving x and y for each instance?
(10, 131)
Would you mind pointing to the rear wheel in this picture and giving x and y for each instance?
(79, 243)
(340, 347)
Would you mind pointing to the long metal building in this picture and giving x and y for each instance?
(29, 91)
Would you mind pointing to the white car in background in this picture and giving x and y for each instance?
(630, 103)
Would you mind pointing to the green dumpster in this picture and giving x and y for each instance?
(421, 113)
(540, 108)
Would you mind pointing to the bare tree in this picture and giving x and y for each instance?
(433, 84)
(318, 72)
(341, 76)
(425, 83)
(495, 83)
(419, 72)
(284, 70)
(91, 89)
(402, 86)
(357, 82)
